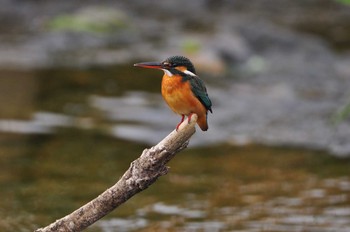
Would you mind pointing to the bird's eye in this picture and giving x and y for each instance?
(167, 64)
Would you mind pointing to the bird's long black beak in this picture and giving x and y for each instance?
(155, 65)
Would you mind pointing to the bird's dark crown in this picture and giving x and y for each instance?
(176, 61)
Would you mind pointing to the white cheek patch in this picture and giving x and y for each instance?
(189, 73)
(167, 72)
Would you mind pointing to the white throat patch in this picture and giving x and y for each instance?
(167, 72)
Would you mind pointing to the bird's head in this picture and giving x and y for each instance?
(171, 66)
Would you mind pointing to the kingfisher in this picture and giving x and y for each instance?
(183, 91)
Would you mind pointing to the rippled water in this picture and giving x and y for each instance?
(248, 189)
(71, 141)
(218, 188)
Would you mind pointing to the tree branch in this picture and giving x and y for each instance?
(142, 172)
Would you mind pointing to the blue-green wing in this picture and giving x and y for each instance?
(200, 91)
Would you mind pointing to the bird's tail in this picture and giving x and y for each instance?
(202, 122)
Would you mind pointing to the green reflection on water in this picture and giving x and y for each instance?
(46, 177)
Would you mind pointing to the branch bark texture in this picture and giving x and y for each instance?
(142, 172)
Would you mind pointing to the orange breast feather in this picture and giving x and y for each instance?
(180, 98)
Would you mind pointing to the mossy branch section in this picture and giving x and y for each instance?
(142, 172)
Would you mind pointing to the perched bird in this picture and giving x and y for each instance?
(182, 89)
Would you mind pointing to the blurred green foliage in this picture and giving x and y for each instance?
(344, 1)
(341, 114)
(191, 46)
(93, 20)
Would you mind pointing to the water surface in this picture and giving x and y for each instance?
(69, 136)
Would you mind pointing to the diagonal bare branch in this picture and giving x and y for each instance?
(142, 172)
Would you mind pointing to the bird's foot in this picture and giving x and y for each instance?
(178, 125)
(189, 118)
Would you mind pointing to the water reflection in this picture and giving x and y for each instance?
(127, 105)
(18, 91)
(268, 194)
(81, 136)
(218, 188)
